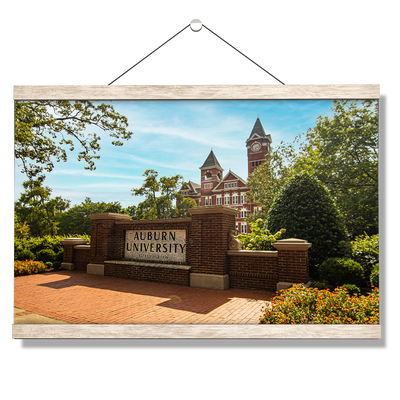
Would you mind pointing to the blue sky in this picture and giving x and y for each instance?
(175, 137)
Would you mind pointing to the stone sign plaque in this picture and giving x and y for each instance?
(156, 245)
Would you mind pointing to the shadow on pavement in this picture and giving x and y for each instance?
(197, 300)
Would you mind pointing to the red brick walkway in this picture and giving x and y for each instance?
(78, 298)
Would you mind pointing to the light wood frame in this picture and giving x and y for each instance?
(204, 91)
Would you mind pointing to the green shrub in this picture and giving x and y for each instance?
(46, 255)
(25, 255)
(301, 305)
(259, 238)
(320, 286)
(56, 264)
(339, 271)
(374, 277)
(306, 210)
(365, 250)
(36, 244)
(60, 256)
(351, 289)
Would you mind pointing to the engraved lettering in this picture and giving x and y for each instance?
(157, 245)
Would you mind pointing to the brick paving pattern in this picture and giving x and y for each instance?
(78, 298)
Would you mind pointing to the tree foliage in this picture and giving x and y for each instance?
(46, 130)
(340, 151)
(267, 180)
(37, 210)
(75, 221)
(259, 238)
(306, 210)
(160, 196)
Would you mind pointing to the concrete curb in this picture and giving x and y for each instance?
(27, 317)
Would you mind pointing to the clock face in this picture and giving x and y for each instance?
(256, 146)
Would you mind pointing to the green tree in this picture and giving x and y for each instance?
(306, 210)
(342, 152)
(267, 180)
(75, 221)
(45, 130)
(160, 196)
(21, 229)
(185, 204)
(38, 210)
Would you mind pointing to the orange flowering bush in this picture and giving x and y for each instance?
(28, 267)
(301, 305)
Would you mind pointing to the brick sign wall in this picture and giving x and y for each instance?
(192, 251)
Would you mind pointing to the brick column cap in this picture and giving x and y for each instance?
(213, 210)
(291, 244)
(74, 241)
(113, 216)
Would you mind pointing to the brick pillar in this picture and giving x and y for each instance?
(68, 254)
(104, 242)
(211, 226)
(292, 262)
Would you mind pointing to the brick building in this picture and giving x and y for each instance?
(230, 190)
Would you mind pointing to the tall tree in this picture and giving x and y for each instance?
(75, 220)
(46, 130)
(160, 195)
(38, 210)
(267, 180)
(306, 210)
(342, 152)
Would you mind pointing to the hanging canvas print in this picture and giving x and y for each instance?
(225, 187)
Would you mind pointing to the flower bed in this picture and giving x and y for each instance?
(28, 267)
(301, 305)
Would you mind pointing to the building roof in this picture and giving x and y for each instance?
(229, 177)
(211, 162)
(193, 187)
(258, 130)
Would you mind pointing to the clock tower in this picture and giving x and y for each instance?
(258, 146)
(211, 176)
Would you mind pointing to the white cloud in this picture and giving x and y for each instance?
(93, 174)
(186, 166)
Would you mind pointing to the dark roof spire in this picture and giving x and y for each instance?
(211, 162)
(258, 129)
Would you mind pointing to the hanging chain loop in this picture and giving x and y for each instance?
(196, 26)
